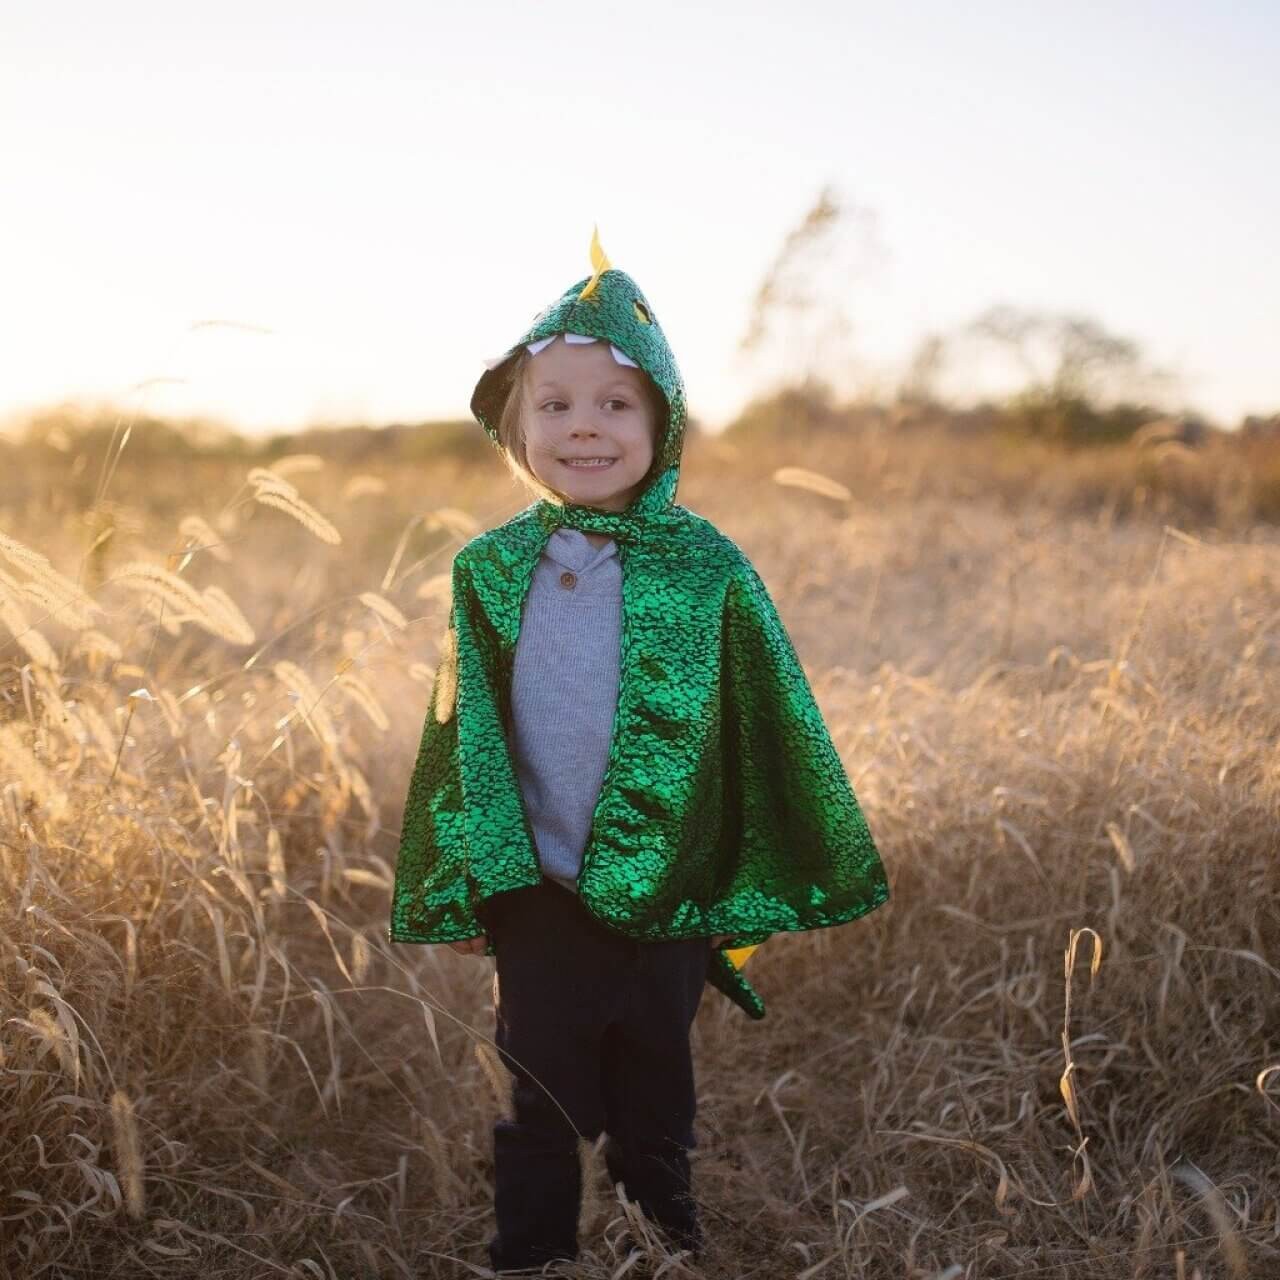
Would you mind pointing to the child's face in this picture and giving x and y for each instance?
(580, 403)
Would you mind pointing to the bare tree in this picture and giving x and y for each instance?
(920, 380)
(799, 319)
(1067, 357)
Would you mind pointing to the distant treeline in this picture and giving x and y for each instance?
(792, 412)
(1116, 462)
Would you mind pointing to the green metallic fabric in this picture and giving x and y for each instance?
(724, 808)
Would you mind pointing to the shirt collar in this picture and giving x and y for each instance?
(570, 548)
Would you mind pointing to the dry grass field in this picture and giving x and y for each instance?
(1055, 682)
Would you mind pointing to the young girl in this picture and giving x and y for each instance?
(624, 784)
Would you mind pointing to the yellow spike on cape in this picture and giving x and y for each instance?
(599, 263)
(739, 955)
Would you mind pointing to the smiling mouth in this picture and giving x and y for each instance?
(589, 464)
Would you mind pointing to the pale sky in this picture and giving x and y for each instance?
(395, 189)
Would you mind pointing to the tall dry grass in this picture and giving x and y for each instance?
(1053, 1054)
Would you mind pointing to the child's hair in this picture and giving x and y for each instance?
(511, 439)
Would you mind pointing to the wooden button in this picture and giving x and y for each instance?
(568, 578)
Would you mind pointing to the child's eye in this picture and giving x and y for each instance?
(552, 405)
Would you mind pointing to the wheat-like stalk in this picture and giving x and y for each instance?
(96, 642)
(200, 535)
(295, 679)
(292, 463)
(437, 587)
(497, 1076)
(54, 710)
(165, 616)
(235, 626)
(361, 954)
(363, 697)
(256, 1057)
(22, 766)
(157, 584)
(43, 572)
(359, 786)
(31, 639)
(384, 609)
(275, 866)
(61, 598)
(363, 486)
(73, 609)
(266, 481)
(74, 612)
(1223, 1218)
(303, 512)
(447, 677)
(814, 481)
(54, 1039)
(128, 1151)
(21, 555)
(462, 524)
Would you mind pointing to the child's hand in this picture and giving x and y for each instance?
(472, 946)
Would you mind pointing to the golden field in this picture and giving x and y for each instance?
(1054, 679)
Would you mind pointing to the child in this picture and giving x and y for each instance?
(624, 784)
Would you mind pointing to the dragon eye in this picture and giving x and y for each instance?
(642, 313)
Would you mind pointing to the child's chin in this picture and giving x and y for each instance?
(593, 500)
(588, 496)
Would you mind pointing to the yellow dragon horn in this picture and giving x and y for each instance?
(599, 263)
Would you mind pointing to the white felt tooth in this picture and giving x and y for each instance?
(577, 338)
(535, 347)
(492, 362)
(622, 357)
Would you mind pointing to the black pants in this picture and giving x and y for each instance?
(594, 1028)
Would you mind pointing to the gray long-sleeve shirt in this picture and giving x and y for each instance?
(564, 694)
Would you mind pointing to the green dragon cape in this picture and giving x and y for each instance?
(724, 806)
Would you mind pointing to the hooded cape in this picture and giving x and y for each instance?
(725, 807)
